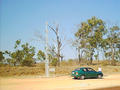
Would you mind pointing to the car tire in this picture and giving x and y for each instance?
(82, 77)
(75, 78)
(99, 76)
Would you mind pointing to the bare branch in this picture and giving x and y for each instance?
(59, 44)
(52, 29)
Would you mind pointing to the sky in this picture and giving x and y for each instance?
(25, 20)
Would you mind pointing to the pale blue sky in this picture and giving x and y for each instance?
(22, 19)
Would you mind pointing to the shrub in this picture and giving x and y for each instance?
(54, 62)
(27, 62)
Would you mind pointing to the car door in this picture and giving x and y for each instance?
(92, 73)
(86, 72)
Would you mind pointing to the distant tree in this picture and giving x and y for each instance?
(17, 55)
(22, 55)
(1, 56)
(90, 35)
(9, 61)
(112, 43)
(53, 59)
(7, 57)
(80, 47)
(51, 55)
(29, 53)
(41, 55)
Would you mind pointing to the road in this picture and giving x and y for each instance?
(58, 83)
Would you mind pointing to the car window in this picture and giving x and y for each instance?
(85, 70)
(90, 69)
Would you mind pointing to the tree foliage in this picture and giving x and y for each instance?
(41, 55)
(1, 56)
(94, 36)
(22, 55)
(112, 43)
(90, 35)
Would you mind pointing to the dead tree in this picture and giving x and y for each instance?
(59, 44)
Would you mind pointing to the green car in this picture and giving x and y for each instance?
(86, 72)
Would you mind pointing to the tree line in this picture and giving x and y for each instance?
(24, 55)
(92, 38)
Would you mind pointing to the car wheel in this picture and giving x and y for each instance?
(82, 77)
(75, 77)
(99, 76)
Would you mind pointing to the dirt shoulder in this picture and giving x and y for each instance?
(58, 83)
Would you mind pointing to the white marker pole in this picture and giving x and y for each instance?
(46, 53)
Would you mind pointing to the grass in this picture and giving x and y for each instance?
(18, 71)
(64, 69)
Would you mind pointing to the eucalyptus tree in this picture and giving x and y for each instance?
(29, 52)
(80, 47)
(90, 35)
(18, 54)
(113, 43)
(22, 55)
(15, 57)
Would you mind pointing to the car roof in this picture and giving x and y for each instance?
(84, 67)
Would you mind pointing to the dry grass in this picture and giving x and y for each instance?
(18, 71)
(105, 69)
(64, 69)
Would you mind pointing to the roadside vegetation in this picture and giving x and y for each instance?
(65, 69)
(93, 39)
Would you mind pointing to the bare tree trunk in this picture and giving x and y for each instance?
(58, 51)
(59, 44)
(113, 55)
(98, 56)
(79, 58)
(14, 64)
(91, 58)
